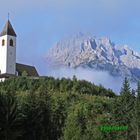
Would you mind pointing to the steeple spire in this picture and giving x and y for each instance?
(8, 29)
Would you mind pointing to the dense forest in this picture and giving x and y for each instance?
(66, 109)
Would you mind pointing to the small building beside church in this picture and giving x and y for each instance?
(8, 65)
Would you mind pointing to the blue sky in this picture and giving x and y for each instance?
(39, 24)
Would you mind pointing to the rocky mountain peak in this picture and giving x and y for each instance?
(95, 53)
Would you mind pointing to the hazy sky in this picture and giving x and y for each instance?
(39, 24)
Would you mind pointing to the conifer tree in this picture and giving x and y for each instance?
(9, 118)
(126, 107)
(137, 108)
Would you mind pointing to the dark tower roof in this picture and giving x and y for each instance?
(8, 30)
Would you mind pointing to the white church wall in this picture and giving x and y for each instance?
(2, 79)
(11, 56)
(8, 55)
(3, 54)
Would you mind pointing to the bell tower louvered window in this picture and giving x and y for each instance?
(11, 42)
(3, 42)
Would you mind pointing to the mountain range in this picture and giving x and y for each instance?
(90, 52)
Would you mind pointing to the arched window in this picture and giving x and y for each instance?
(11, 42)
(3, 42)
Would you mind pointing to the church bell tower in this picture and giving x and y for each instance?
(8, 50)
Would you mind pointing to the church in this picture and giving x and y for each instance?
(8, 65)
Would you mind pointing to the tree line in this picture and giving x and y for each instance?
(66, 109)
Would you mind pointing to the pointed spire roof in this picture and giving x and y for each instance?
(8, 30)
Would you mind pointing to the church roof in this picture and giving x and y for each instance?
(8, 30)
(30, 70)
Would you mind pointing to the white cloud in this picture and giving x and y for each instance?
(97, 77)
(94, 76)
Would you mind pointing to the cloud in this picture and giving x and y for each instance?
(97, 77)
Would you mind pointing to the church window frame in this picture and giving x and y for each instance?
(11, 42)
(3, 42)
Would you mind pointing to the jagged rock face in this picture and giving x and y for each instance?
(96, 53)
